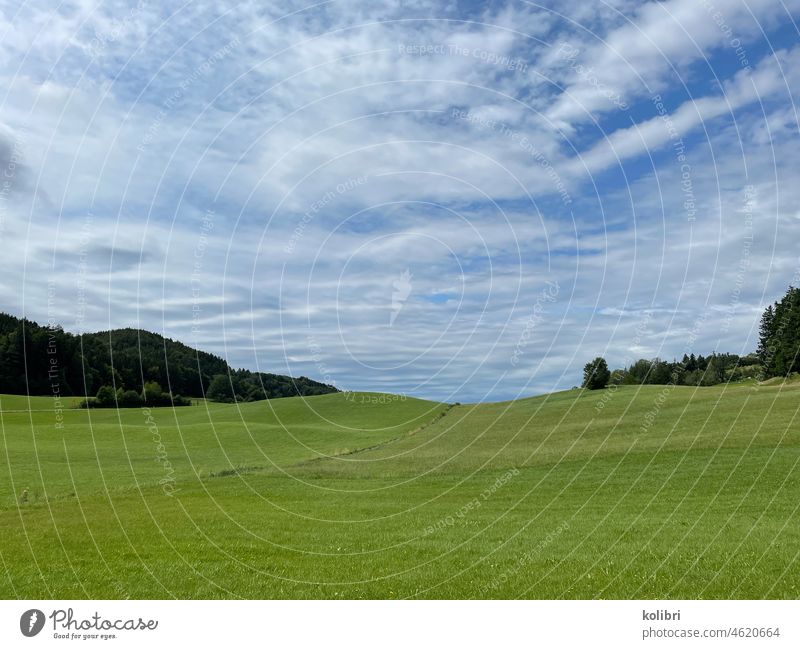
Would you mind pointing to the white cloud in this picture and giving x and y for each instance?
(133, 118)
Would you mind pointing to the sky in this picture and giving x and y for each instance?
(455, 201)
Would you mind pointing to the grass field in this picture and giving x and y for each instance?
(641, 492)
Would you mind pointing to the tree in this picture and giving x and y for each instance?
(765, 332)
(714, 372)
(152, 393)
(640, 372)
(596, 374)
(106, 396)
(779, 335)
(661, 372)
(128, 398)
(694, 377)
(220, 389)
(618, 377)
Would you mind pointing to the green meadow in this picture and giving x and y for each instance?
(634, 492)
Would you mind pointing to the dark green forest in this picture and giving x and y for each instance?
(779, 336)
(128, 367)
(778, 355)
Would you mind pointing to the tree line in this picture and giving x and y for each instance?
(778, 354)
(127, 367)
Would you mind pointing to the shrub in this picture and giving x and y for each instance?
(152, 396)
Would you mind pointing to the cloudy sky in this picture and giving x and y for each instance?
(458, 201)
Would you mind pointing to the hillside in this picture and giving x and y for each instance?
(646, 492)
(38, 360)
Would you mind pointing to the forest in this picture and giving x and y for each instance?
(127, 367)
(778, 354)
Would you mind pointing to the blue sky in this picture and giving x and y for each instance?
(455, 201)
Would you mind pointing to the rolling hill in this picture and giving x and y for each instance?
(645, 492)
(46, 360)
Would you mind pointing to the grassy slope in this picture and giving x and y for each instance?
(117, 450)
(545, 497)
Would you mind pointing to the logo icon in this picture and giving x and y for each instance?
(31, 622)
(402, 289)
